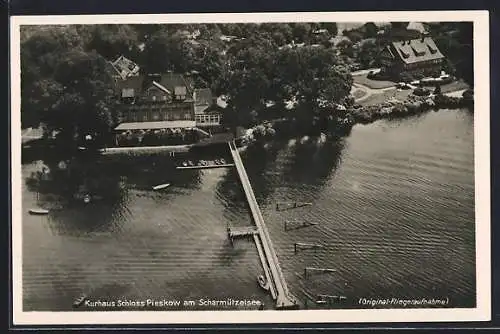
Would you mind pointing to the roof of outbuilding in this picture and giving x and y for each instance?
(416, 50)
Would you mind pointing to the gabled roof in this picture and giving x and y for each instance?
(416, 50)
(172, 80)
(166, 82)
(200, 109)
(157, 85)
(135, 83)
(203, 96)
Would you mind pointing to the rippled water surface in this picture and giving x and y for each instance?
(393, 203)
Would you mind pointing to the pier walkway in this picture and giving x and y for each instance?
(205, 166)
(284, 299)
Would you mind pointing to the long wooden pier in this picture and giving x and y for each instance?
(284, 299)
(205, 166)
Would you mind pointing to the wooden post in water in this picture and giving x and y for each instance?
(311, 246)
(323, 270)
(229, 236)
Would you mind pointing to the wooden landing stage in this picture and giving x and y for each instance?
(241, 232)
(284, 299)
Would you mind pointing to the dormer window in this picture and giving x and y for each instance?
(180, 92)
(418, 53)
(404, 54)
(432, 49)
(127, 92)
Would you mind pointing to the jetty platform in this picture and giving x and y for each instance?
(283, 298)
(241, 232)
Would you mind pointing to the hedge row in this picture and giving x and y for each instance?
(412, 106)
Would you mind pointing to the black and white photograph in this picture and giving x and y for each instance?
(322, 167)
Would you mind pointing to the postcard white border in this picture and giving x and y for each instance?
(482, 180)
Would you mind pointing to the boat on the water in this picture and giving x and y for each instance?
(79, 301)
(86, 199)
(161, 186)
(264, 284)
(38, 211)
(185, 164)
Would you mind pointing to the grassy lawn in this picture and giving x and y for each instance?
(384, 96)
(454, 86)
(373, 84)
(358, 93)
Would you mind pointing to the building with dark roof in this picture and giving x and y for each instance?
(418, 56)
(206, 110)
(156, 98)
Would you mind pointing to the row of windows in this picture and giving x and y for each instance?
(164, 106)
(164, 98)
(420, 64)
(154, 116)
(154, 110)
(208, 118)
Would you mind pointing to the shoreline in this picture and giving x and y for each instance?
(362, 114)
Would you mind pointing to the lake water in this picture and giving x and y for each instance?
(393, 203)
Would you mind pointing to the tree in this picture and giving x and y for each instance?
(38, 98)
(86, 102)
(301, 32)
(455, 42)
(113, 40)
(207, 60)
(345, 47)
(368, 53)
(167, 52)
(370, 30)
(354, 35)
(40, 55)
(331, 27)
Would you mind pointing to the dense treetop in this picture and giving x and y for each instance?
(65, 83)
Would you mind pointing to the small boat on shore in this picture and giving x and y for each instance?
(161, 186)
(264, 284)
(38, 211)
(222, 161)
(79, 301)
